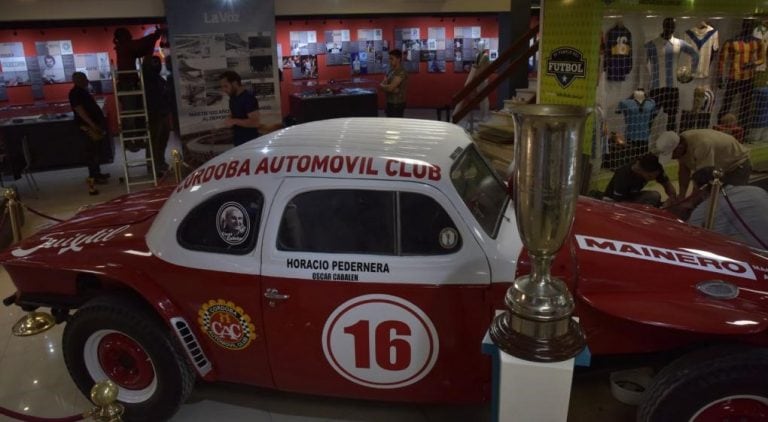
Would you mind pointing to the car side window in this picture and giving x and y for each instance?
(425, 227)
(364, 222)
(339, 221)
(226, 223)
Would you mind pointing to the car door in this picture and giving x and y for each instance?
(373, 292)
(215, 280)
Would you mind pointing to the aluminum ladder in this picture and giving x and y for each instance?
(134, 129)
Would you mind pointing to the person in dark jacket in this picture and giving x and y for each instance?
(628, 182)
(159, 108)
(90, 119)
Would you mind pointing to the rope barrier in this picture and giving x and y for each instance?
(164, 178)
(38, 213)
(27, 418)
(741, 220)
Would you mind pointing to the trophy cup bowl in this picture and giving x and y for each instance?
(537, 325)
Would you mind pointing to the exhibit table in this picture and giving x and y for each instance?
(327, 104)
(53, 138)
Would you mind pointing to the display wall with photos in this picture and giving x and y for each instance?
(37, 65)
(714, 76)
(344, 49)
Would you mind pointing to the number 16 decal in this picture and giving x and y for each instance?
(380, 341)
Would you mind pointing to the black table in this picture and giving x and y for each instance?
(307, 107)
(54, 143)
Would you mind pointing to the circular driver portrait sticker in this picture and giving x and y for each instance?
(226, 324)
(232, 223)
(380, 341)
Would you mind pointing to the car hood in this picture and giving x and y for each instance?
(91, 227)
(646, 267)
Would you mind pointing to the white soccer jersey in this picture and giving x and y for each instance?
(663, 59)
(761, 33)
(705, 40)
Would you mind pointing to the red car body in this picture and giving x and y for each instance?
(634, 276)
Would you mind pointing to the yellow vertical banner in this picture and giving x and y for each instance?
(569, 68)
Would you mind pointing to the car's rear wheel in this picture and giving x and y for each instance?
(718, 384)
(117, 339)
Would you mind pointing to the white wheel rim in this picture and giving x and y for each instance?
(93, 366)
(759, 399)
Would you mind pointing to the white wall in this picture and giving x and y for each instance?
(20, 10)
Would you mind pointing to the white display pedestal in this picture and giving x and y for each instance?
(525, 391)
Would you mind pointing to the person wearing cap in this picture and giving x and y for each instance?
(628, 182)
(699, 148)
(749, 202)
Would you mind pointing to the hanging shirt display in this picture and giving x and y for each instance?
(761, 33)
(738, 56)
(663, 58)
(618, 54)
(637, 118)
(705, 40)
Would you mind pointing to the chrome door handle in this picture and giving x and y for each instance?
(274, 294)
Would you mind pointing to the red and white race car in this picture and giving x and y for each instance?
(365, 258)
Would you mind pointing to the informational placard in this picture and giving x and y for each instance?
(366, 34)
(408, 40)
(56, 61)
(13, 65)
(206, 39)
(303, 43)
(337, 47)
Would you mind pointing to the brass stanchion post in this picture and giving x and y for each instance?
(176, 156)
(713, 194)
(104, 397)
(13, 213)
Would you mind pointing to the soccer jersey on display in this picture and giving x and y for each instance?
(663, 59)
(705, 40)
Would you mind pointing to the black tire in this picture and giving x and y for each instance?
(173, 374)
(703, 377)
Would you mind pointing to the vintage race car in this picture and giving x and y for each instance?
(365, 258)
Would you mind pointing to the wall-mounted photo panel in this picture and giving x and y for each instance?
(336, 46)
(366, 34)
(303, 43)
(305, 68)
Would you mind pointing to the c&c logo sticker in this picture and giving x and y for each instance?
(380, 341)
(226, 324)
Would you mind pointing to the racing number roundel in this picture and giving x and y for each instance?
(380, 341)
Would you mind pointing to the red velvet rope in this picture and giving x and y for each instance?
(28, 418)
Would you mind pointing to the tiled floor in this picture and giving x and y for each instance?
(34, 380)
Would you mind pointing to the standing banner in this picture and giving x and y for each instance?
(569, 68)
(208, 37)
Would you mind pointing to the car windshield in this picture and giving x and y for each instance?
(480, 188)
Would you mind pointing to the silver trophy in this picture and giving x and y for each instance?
(538, 325)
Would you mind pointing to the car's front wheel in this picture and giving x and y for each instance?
(710, 385)
(118, 339)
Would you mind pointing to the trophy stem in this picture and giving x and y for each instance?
(537, 325)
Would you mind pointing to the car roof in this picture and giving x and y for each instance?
(429, 140)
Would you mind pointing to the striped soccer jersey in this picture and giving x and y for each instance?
(663, 57)
(739, 57)
(706, 41)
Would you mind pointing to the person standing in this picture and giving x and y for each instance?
(699, 148)
(395, 85)
(159, 108)
(243, 109)
(90, 119)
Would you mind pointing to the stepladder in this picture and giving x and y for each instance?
(135, 135)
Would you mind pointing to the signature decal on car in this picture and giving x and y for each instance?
(73, 243)
(226, 324)
(232, 223)
(681, 258)
(314, 164)
(380, 341)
